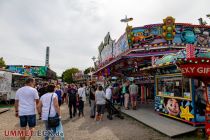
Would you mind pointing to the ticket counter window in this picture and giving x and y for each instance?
(174, 86)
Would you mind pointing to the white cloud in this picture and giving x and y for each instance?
(74, 28)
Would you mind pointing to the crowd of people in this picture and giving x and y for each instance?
(113, 94)
(48, 97)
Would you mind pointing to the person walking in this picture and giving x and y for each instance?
(26, 99)
(121, 95)
(65, 91)
(115, 93)
(100, 103)
(43, 89)
(59, 93)
(125, 91)
(81, 107)
(92, 101)
(109, 102)
(49, 107)
(133, 90)
(72, 100)
(81, 92)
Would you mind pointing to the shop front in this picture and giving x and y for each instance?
(176, 97)
(180, 81)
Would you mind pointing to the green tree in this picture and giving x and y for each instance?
(67, 75)
(88, 70)
(2, 62)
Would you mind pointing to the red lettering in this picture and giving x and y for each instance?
(13, 133)
(21, 133)
(6, 133)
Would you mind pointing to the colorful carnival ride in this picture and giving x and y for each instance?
(153, 55)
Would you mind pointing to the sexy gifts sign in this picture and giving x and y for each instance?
(195, 70)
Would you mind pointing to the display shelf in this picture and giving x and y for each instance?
(175, 97)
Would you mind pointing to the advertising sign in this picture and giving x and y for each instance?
(106, 53)
(176, 108)
(197, 70)
(29, 70)
(106, 49)
(120, 46)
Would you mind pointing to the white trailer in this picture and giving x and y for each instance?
(5, 85)
(9, 84)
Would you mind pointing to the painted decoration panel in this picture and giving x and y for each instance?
(120, 46)
(29, 70)
(181, 109)
(182, 34)
(106, 53)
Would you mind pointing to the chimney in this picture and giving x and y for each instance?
(47, 56)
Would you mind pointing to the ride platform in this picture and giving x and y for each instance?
(168, 126)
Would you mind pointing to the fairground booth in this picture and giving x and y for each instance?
(149, 54)
(19, 73)
(43, 72)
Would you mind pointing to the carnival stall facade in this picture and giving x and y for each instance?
(149, 54)
(179, 91)
(138, 44)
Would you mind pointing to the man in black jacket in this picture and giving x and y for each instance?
(72, 100)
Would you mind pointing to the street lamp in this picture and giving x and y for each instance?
(93, 58)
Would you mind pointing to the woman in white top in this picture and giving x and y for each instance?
(44, 106)
(100, 102)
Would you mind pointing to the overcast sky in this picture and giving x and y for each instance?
(74, 28)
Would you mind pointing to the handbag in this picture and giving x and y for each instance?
(53, 121)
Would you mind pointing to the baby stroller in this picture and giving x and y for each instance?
(114, 111)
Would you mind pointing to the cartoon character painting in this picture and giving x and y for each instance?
(203, 39)
(172, 107)
(188, 36)
(143, 37)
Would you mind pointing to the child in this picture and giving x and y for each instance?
(81, 106)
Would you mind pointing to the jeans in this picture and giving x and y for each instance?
(92, 107)
(52, 131)
(72, 105)
(49, 131)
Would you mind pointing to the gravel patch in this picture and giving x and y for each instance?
(85, 128)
